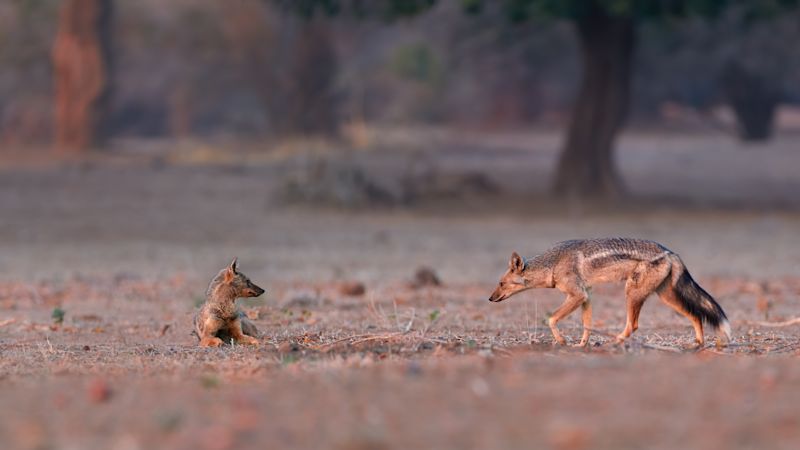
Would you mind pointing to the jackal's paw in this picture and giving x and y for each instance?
(248, 340)
(211, 342)
(581, 344)
(558, 340)
(620, 338)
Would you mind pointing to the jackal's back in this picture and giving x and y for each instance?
(609, 247)
(600, 252)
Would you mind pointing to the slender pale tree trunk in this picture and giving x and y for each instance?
(81, 73)
(586, 167)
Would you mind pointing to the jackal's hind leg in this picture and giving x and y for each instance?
(248, 327)
(236, 330)
(667, 295)
(644, 280)
(634, 306)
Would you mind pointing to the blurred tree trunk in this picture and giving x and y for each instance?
(292, 65)
(312, 74)
(753, 100)
(81, 73)
(586, 166)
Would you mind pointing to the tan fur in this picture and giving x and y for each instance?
(646, 267)
(219, 321)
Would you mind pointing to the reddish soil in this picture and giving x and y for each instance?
(122, 253)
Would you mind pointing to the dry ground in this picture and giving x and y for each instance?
(125, 249)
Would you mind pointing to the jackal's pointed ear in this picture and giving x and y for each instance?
(234, 265)
(230, 271)
(516, 264)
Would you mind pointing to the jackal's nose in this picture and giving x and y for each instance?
(497, 297)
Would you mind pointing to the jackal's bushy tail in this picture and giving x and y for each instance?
(696, 301)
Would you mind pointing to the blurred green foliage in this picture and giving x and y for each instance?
(520, 10)
(58, 315)
(417, 62)
(384, 9)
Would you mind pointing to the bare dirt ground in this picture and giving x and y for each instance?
(125, 246)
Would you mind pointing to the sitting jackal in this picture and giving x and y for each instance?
(219, 320)
(645, 266)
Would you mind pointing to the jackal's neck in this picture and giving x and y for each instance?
(539, 271)
(219, 292)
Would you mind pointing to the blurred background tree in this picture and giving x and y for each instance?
(607, 36)
(82, 73)
(606, 31)
(291, 63)
(270, 69)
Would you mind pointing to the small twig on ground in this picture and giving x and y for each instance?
(396, 316)
(500, 350)
(603, 332)
(410, 321)
(425, 330)
(377, 312)
(781, 349)
(715, 351)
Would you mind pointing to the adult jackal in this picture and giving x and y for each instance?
(645, 266)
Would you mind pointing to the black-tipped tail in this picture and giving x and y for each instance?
(699, 303)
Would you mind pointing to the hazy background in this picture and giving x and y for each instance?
(146, 136)
(373, 164)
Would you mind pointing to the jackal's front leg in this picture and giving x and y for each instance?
(642, 282)
(587, 322)
(573, 301)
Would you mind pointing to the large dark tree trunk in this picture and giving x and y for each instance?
(753, 100)
(81, 73)
(586, 167)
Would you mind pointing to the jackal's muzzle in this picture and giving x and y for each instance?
(253, 291)
(497, 297)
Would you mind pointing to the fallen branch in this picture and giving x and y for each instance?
(375, 337)
(785, 323)
(356, 339)
(338, 341)
(663, 348)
